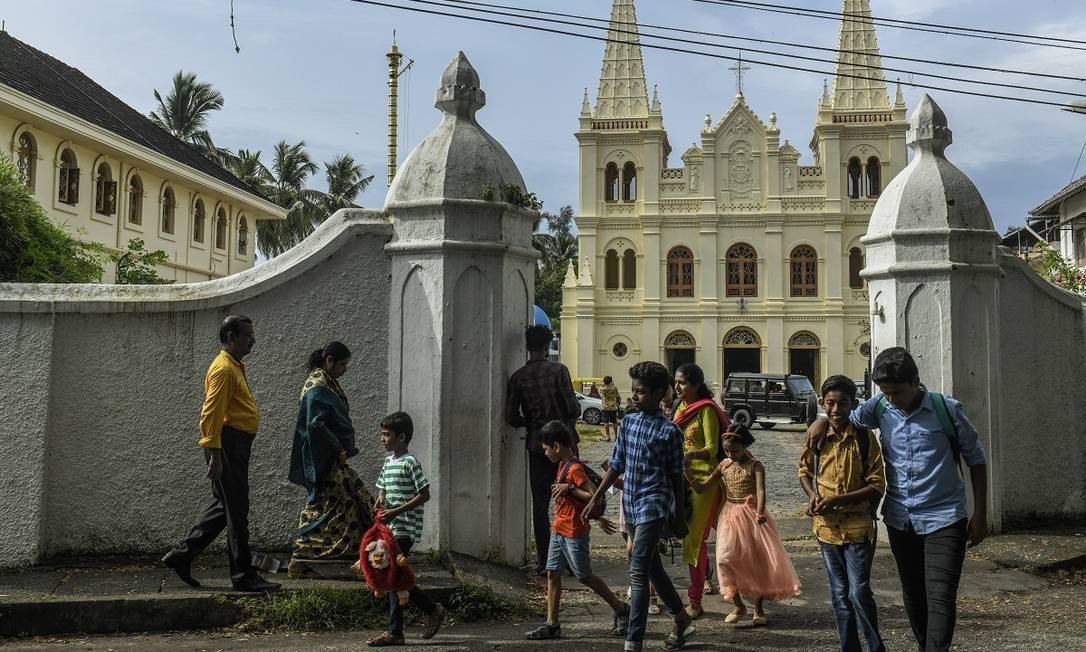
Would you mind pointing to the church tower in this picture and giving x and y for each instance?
(859, 137)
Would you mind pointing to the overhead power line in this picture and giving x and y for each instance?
(806, 46)
(491, 9)
(713, 55)
(991, 35)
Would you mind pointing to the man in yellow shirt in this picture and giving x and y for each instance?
(228, 423)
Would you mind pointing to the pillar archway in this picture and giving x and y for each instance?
(803, 356)
(679, 348)
(742, 352)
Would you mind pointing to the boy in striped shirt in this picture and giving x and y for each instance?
(402, 489)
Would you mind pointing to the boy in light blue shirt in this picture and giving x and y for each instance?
(924, 435)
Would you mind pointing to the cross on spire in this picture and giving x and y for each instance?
(739, 69)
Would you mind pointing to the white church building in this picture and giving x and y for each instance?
(738, 256)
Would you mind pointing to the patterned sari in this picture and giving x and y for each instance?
(339, 508)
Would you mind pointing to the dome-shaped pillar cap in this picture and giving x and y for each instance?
(459, 92)
(928, 127)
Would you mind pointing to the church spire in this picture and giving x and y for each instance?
(860, 83)
(623, 92)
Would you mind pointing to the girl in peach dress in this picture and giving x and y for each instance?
(750, 557)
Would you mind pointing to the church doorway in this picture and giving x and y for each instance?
(803, 350)
(742, 352)
(679, 349)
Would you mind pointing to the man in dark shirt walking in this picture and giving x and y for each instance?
(539, 392)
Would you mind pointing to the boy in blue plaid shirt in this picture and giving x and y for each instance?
(648, 455)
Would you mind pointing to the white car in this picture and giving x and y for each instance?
(591, 409)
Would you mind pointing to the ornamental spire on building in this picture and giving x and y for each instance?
(623, 92)
(859, 83)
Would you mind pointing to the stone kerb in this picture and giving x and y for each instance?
(98, 445)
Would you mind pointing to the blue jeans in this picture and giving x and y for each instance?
(849, 570)
(645, 566)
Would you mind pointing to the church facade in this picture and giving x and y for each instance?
(738, 258)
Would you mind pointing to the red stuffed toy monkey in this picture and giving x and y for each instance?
(383, 565)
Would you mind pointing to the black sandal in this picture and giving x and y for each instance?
(677, 640)
(544, 632)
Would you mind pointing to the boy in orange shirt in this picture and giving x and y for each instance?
(569, 534)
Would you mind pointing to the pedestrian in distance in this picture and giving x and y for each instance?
(611, 400)
(569, 545)
(539, 392)
(750, 557)
(648, 453)
(228, 423)
(924, 436)
(402, 490)
(844, 482)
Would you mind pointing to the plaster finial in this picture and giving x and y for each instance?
(655, 99)
(772, 120)
(459, 93)
(708, 122)
(585, 277)
(928, 128)
(825, 93)
(899, 100)
(585, 110)
(571, 276)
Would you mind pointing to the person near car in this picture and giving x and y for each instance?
(593, 392)
(611, 399)
(539, 392)
(701, 419)
(923, 435)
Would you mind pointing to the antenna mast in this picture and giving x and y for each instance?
(394, 71)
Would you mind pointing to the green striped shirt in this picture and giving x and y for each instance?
(402, 479)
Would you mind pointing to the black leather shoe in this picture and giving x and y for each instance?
(256, 584)
(182, 566)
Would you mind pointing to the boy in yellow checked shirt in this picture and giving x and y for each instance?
(849, 480)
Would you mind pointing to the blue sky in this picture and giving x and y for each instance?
(316, 70)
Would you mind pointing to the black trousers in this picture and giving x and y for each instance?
(415, 596)
(542, 473)
(230, 509)
(930, 566)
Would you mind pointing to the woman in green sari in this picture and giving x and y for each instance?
(338, 508)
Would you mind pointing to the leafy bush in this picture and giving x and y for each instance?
(32, 248)
(136, 265)
(1052, 266)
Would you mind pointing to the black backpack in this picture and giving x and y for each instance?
(601, 505)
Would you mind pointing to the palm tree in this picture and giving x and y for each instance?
(248, 167)
(290, 171)
(345, 182)
(184, 113)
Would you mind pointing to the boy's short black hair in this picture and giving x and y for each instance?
(895, 365)
(652, 375)
(839, 383)
(232, 326)
(399, 423)
(556, 432)
(538, 337)
(607, 380)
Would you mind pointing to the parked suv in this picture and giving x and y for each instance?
(769, 399)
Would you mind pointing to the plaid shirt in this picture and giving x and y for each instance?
(539, 392)
(648, 454)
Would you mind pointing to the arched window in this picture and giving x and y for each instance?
(610, 270)
(742, 354)
(855, 264)
(741, 275)
(803, 356)
(874, 177)
(243, 236)
(854, 178)
(105, 190)
(629, 182)
(135, 200)
(629, 270)
(220, 229)
(610, 182)
(68, 178)
(169, 205)
(680, 272)
(27, 159)
(680, 348)
(199, 217)
(804, 267)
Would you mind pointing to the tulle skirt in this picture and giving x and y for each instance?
(750, 558)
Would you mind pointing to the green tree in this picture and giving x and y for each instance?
(136, 265)
(290, 171)
(346, 180)
(558, 249)
(32, 248)
(1052, 266)
(248, 167)
(185, 111)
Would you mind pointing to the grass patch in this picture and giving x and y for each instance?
(589, 434)
(329, 609)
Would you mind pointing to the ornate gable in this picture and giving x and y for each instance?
(740, 145)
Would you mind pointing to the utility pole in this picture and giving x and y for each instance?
(394, 71)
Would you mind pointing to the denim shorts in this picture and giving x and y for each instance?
(567, 552)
